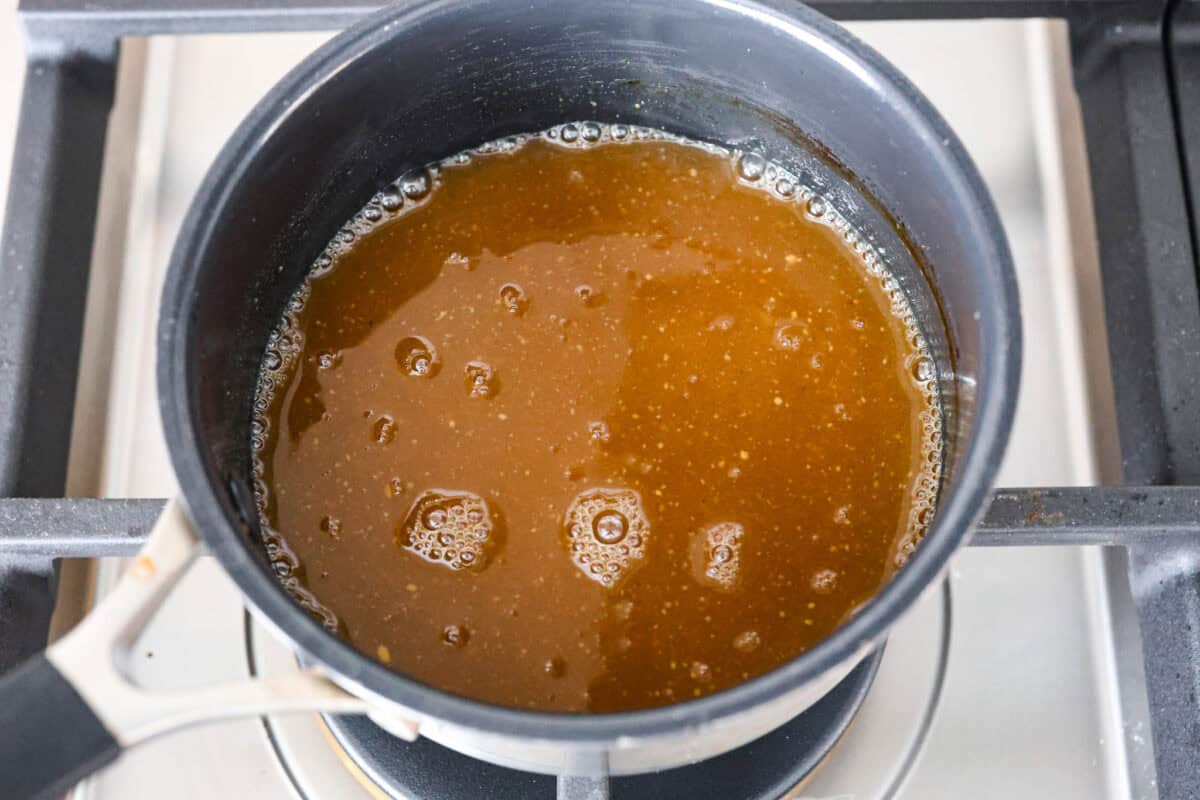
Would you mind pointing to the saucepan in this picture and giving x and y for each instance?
(417, 82)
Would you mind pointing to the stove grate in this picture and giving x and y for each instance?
(1136, 67)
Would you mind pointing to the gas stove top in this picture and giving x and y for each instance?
(1034, 671)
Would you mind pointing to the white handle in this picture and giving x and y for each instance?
(89, 656)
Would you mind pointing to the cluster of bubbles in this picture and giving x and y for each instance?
(717, 554)
(284, 348)
(408, 191)
(582, 133)
(418, 358)
(508, 144)
(925, 489)
(824, 581)
(285, 344)
(606, 532)
(588, 133)
(921, 368)
(754, 170)
(286, 566)
(450, 528)
(457, 259)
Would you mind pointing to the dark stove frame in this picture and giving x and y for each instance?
(1136, 67)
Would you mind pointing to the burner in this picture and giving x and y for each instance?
(766, 768)
(351, 758)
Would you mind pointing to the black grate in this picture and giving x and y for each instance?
(1136, 67)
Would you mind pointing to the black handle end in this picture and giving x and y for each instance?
(50, 738)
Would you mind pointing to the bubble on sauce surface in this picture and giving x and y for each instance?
(590, 296)
(322, 264)
(329, 360)
(456, 635)
(751, 167)
(789, 336)
(416, 185)
(816, 207)
(921, 368)
(416, 357)
(747, 641)
(598, 432)
(332, 527)
(610, 527)
(721, 323)
(457, 259)
(450, 528)
(391, 198)
(606, 532)
(481, 379)
(384, 430)
(716, 554)
(824, 581)
(258, 435)
(514, 299)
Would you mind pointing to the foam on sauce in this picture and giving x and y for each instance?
(594, 419)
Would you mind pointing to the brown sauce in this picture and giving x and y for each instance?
(594, 428)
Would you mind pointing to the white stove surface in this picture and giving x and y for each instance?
(1029, 706)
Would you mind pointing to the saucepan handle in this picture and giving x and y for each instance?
(51, 737)
(72, 710)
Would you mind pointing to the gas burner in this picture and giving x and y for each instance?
(766, 768)
(350, 757)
